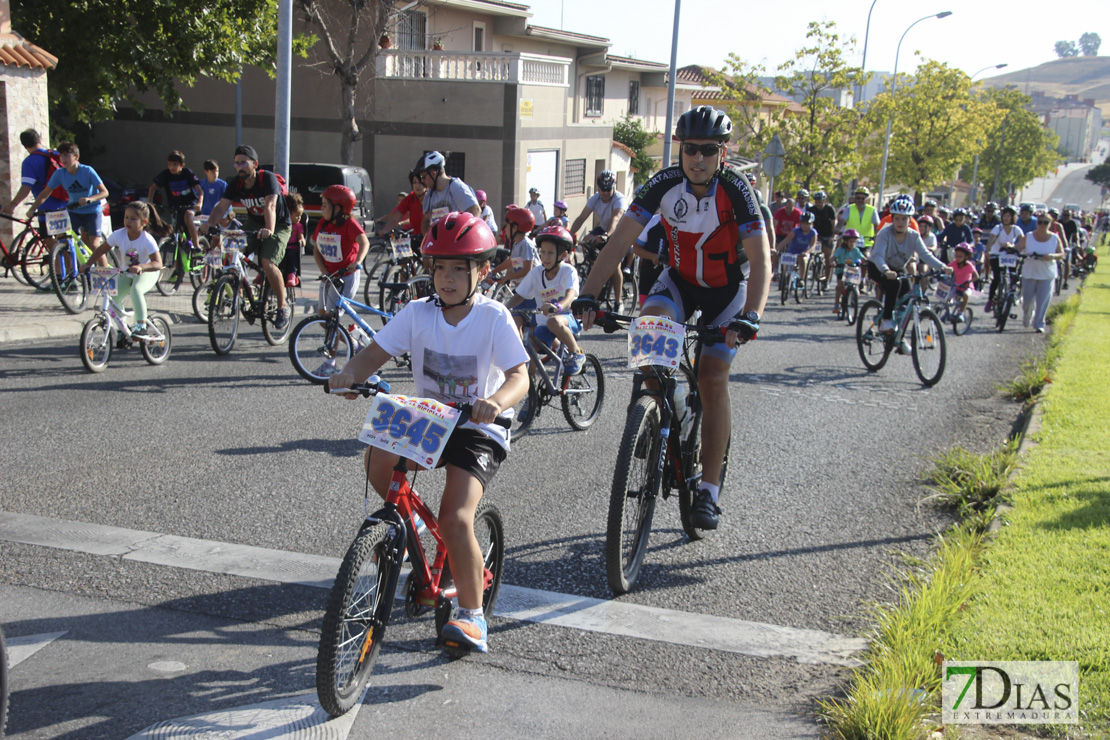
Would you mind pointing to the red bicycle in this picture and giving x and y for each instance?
(29, 258)
(361, 600)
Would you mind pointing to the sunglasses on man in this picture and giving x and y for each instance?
(705, 150)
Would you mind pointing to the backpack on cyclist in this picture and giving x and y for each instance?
(53, 162)
(281, 181)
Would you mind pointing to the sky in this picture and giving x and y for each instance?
(976, 35)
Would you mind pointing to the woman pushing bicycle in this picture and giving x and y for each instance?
(464, 348)
(138, 257)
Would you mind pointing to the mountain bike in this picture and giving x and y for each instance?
(180, 258)
(361, 600)
(581, 395)
(1009, 288)
(108, 329)
(789, 279)
(321, 346)
(404, 282)
(660, 448)
(946, 305)
(68, 255)
(385, 254)
(912, 315)
(234, 294)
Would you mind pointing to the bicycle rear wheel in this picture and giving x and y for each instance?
(223, 318)
(157, 351)
(583, 394)
(928, 347)
(632, 497)
(202, 300)
(354, 621)
(34, 259)
(873, 347)
(319, 347)
(489, 530)
(269, 302)
(70, 285)
(169, 280)
(3, 683)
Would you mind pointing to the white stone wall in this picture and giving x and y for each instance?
(23, 105)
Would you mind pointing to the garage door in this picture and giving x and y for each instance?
(543, 174)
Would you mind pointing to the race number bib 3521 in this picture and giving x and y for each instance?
(414, 428)
(655, 340)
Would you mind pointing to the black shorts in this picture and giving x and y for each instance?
(475, 453)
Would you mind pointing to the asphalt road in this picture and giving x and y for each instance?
(1077, 189)
(822, 500)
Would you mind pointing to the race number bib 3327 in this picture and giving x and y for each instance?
(415, 428)
(330, 246)
(655, 340)
(57, 222)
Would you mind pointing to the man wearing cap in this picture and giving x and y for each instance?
(260, 192)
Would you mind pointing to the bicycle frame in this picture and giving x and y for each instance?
(908, 309)
(116, 314)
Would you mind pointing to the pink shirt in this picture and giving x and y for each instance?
(963, 274)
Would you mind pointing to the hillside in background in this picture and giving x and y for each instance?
(1087, 77)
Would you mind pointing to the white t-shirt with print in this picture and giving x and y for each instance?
(457, 363)
(137, 252)
(522, 251)
(537, 285)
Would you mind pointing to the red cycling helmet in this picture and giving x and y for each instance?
(564, 242)
(342, 197)
(459, 236)
(522, 218)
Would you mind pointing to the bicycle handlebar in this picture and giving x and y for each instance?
(611, 322)
(375, 385)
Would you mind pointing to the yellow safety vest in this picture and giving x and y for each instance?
(864, 222)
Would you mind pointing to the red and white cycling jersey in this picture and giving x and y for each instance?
(704, 235)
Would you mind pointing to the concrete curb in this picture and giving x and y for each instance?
(71, 327)
(1031, 425)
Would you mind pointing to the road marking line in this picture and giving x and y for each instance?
(22, 648)
(515, 602)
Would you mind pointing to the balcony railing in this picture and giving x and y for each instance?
(474, 66)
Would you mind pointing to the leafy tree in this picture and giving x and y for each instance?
(1100, 174)
(115, 51)
(936, 125)
(744, 96)
(1065, 49)
(1018, 148)
(350, 30)
(1089, 43)
(822, 143)
(630, 132)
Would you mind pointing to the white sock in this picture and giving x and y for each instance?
(714, 490)
(470, 613)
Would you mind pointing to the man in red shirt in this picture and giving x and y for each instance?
(410, 209)
(786, 220)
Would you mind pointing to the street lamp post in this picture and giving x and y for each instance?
(893, 84)
(989, 66)
(863, 64)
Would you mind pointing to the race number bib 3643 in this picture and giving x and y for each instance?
(414, 428)
(655, 340)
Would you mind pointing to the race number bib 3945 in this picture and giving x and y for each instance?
(414, 428)
(655, 340)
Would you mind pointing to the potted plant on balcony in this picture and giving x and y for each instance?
(437, 43)
(385, 42)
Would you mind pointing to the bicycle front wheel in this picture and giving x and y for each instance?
(928, 348)
(319, 347)
(960, 327)
(583, 394)
(157, 350)
(223, 317)
(632, 498)
(69, 283)
(354, 621)
(97, 339)
(1004, 312)
(873, 347)
(34, 259)
(851, 305)
(526, 410)
(3, 683)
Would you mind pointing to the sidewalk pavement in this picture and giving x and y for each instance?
(27, 314)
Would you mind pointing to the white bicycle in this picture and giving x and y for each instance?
(108, 329)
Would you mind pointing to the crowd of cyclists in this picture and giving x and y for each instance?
(707, 245)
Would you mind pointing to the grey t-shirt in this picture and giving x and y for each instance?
(604, 211)
(457, 196)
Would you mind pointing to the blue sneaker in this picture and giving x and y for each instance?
(464, 634)
(575, 363)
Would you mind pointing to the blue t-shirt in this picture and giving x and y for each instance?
(213, 192)
(800, 241)
(85, 184)
(33, 175)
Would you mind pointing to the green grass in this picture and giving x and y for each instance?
(1046, 578)
(1036, 373)
(972, 484)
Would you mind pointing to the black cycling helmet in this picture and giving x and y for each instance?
(606, 180)
(704, 122)
(807, 217)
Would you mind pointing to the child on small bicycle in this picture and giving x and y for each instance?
(341, 245)
(846, 253)
(551, 287)
(464, 347)
(138, 255)
(964, 273)
(802, 241)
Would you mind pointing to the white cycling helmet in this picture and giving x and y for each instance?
(902, 206)
(430, 160)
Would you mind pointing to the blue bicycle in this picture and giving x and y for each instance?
(321, 346)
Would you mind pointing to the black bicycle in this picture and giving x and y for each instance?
(660, 452)
(1009, 288)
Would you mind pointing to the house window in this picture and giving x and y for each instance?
(574, 177)
(634, 98)
(412, 30)
(679, 109)
(479, 37)
(595, 95)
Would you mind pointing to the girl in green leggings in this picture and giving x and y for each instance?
(138, 256)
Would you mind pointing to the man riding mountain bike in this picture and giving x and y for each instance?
(718, 261)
